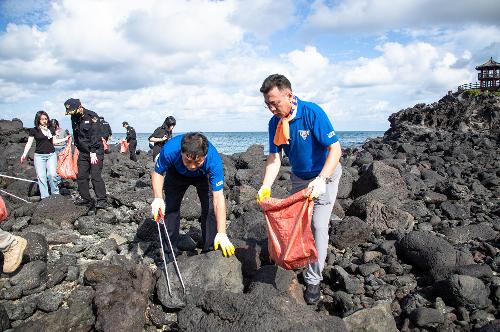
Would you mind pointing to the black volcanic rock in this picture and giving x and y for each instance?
(430, 252)
(437, 164)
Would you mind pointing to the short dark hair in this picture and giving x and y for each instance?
(275, 80)
(38, 115)
(169, 121)
(124, 123)
(54, 123)
(194, 145)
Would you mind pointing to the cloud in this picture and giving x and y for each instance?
(262, 18)
(174, 26)
(375, 16)
(21, 42)
(204, 61)
(11, 92)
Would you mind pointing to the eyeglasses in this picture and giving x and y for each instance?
(274, 104)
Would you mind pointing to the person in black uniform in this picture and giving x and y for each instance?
(161, 135)
(87, 136)
(105, 129)
(106, 133)
(131, 140)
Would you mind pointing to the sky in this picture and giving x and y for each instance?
(204, 61)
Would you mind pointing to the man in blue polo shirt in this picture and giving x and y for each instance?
(186, 160)
(303, 131)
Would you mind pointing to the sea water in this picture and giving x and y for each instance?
(234, 142)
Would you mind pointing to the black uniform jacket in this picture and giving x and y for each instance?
(131, 134)
(87, 132)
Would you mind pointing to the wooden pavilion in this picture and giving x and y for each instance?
(489, 75)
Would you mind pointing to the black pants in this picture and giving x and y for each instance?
(132, 146)
(174, 188)
(86, 169)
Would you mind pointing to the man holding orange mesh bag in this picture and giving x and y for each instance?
(303, 131)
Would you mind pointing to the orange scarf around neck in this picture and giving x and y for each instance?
(282, 135)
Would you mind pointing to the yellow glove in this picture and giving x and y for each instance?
(225, 245)
(264, 192)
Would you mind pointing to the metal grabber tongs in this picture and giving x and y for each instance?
(161, 220)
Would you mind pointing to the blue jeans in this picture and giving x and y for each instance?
(46, 172)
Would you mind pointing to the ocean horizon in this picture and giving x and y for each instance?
(235, 142)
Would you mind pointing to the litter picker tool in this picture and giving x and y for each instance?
(161, 220)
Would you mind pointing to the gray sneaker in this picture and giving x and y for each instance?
(13, 256)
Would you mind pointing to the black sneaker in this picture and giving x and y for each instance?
(83, 202)
(312, 294)
(101, 204)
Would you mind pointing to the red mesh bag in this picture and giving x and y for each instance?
(105, 144)
(124, 146)
(290, 239)
(3, 210)
(66, 162)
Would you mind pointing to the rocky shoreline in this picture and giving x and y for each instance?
(414, 240)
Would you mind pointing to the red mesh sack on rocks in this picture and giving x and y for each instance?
(290, 239)
(66, 162)
(124, 146)
(3, 210)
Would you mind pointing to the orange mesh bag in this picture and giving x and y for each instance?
(124, 146)
(290, 239)
(75, 160)
(3, 210)
(66, 162)
(105, 145)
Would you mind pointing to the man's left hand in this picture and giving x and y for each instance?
(225, 245)
(93, 158)
(318, 187)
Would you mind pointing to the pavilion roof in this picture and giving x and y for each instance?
(489, 63)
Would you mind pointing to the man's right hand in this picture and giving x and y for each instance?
(158, 204)
(264, 192)
(22, 159)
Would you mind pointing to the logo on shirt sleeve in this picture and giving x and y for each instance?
(304, 134)
(331, 134)
(218, 184)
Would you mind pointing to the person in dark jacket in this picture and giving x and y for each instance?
(131, 139)
(161, 135)
(87, 136)
(105, 129)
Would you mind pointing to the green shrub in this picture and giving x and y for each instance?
(473, 92)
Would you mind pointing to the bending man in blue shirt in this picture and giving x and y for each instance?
(186, 160)
(303, 131)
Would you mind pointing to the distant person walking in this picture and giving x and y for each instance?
(86, 132)
(106, 132)
(59, 134)
(161, 135)
(45, 157)
(303, 131)
(131, 139)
